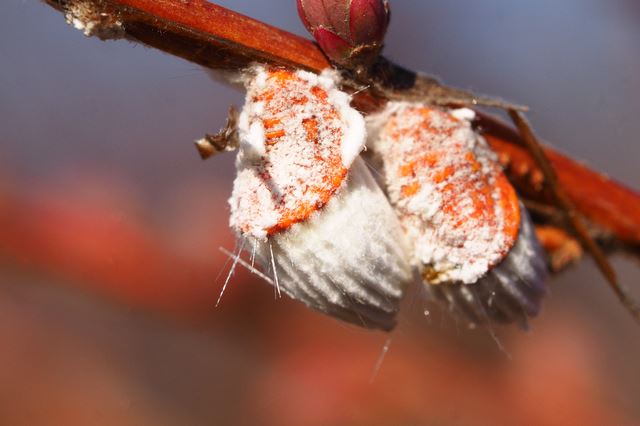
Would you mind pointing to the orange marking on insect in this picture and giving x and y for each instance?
(337, 179)
(443, 174)
(431, 159)
(270, 123)
(311, 127)
(299, 100)
(319, 93)
(407, 169)
(508, 200)
(330, 115)
(281, 76)
(275, 134)
(411, 189)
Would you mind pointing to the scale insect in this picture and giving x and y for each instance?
(308, 206)
(472, 242)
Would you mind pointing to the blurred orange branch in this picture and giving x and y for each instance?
(106, 250)
(217, 38)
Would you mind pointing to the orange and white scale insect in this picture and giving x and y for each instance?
(307, 207)
(471, 240)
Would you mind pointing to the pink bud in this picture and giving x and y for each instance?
(350, 32)
(334, 47)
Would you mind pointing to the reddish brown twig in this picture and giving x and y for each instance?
(198, 31)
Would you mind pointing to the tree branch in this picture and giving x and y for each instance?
(196, 30)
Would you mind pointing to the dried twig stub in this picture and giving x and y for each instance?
(562, 249)
(93, 19)
(225, 140)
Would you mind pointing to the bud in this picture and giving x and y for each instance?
(350, 32)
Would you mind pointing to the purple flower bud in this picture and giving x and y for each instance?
(350, 32)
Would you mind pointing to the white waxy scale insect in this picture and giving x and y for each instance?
(309, 206)
(471, 240)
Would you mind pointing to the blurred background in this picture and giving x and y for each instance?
(110, 228)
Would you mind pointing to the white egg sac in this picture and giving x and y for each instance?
(307, 205)
(471, 240)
